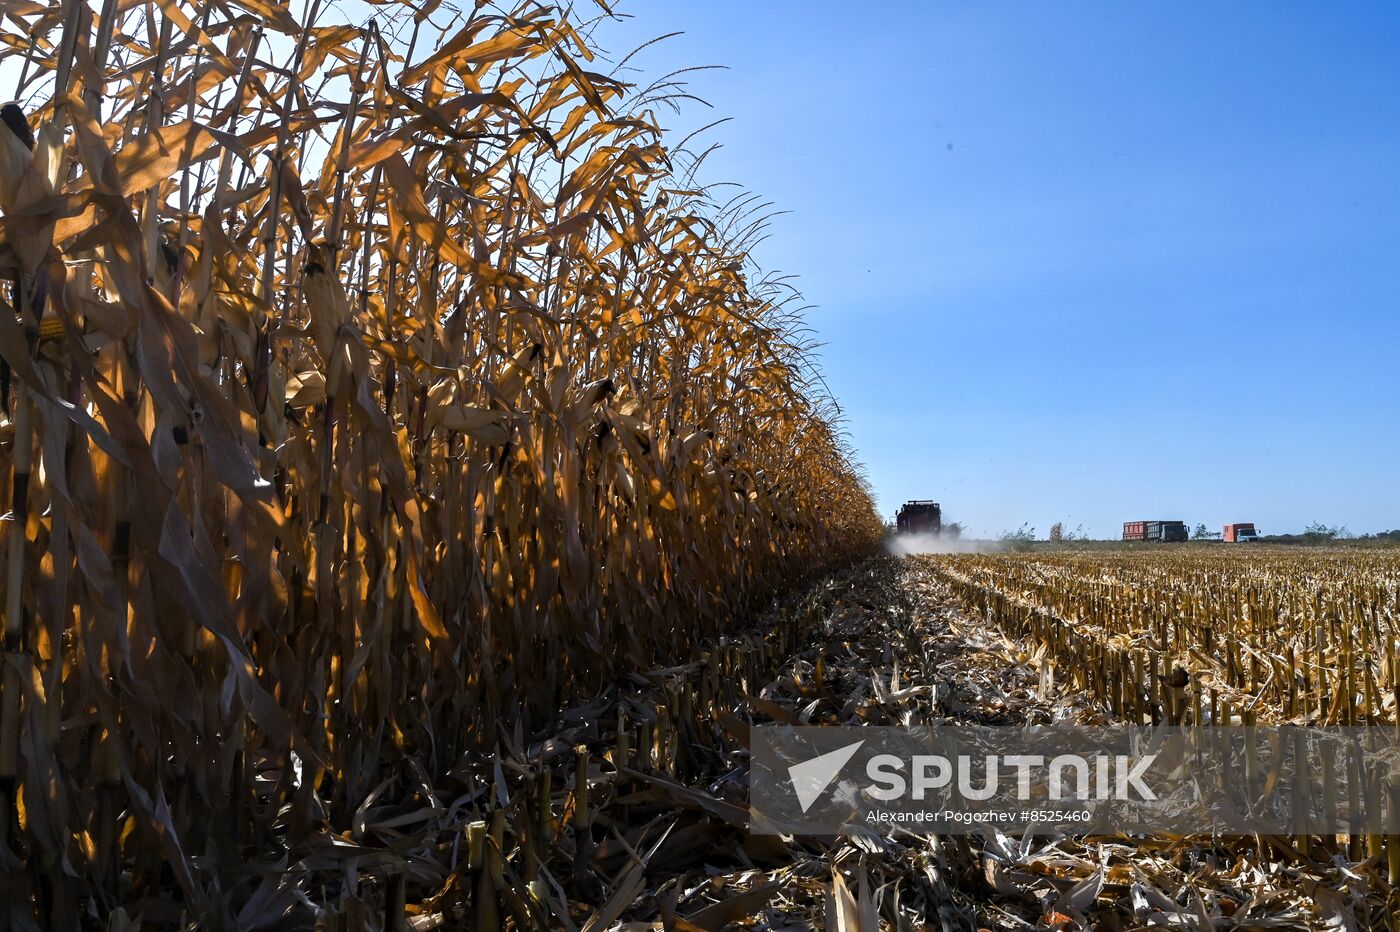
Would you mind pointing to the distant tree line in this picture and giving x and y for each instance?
(1319, 533)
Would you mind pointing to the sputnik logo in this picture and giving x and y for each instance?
(811, 777)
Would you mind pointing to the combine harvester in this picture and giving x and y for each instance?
(919, 517)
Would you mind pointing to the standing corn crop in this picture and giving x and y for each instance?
(372, 391)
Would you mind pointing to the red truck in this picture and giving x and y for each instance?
(1163, 531)
(1240, 534)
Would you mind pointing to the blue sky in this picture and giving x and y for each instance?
(1080, 262)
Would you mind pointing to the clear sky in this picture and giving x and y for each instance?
(1080, 262)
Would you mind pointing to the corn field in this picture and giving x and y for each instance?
(1203, 637)
(1213, 636)
(372, 390)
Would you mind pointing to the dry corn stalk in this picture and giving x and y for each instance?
(373, 390)
(1294, 635)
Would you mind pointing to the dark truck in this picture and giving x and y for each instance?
(1163, 531)
(919, 517)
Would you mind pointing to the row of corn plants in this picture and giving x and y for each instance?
(1206, 636)
(371, 390)
(1281, 635)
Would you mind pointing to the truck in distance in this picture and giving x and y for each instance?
(1161, 531)
(1240, 534)
(919, 516)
